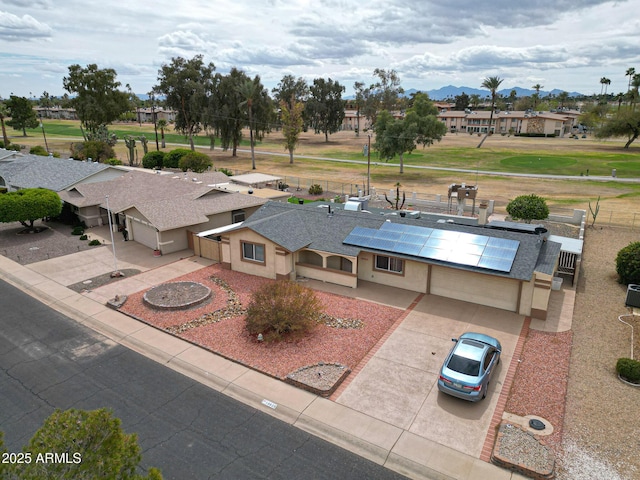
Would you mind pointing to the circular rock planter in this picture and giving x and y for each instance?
(177, 295)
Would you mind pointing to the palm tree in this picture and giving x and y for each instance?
(492, 83)
(247, 91)
(162, 124)
(630, 73)
(536, 96)
(604, 81)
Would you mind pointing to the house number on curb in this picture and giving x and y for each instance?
(270, 404)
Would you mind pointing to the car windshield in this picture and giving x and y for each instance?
(464, 365)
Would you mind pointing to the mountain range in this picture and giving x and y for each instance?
(450, 92)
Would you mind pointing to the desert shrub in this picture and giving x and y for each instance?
(315, 189)
(628, 369)
(112, 161)
(172, 158)
(13, 146)
(83, 237)
(38, 150)
(95, 150)
(628, 264)
(528, 207)
(95, 242)
(195, 161)
(77, 231)
(281, 309)
(226, 171)
(153, 159)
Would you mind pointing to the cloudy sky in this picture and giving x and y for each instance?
(563, 44)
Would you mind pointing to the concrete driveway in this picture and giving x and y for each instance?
(399, 383)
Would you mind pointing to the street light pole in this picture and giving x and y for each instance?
(369, 165)
(113, 244)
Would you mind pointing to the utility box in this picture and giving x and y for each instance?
(353, 206)
(633, 296)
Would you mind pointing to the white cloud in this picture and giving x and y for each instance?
(19, 29)
(567, 44)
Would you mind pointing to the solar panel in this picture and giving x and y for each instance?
(388, 235)
(415, 239)
(499, 253)
(464, 258)
(382, 244)
(470, 248)
(503, 243)
(394, 227)
(434, 253)
(408, 248)
(500, 264)
(460, 248)
(473, 239)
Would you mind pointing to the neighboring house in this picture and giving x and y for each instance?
(502, 269)
(162, 211)
(556, 124)
(34, 171)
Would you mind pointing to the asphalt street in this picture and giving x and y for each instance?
(188, 430)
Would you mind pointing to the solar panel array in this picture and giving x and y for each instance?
(461, 248)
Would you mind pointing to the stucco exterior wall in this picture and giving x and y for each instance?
(473, 287)
(173, 240)
(91, 216)
(238, 264)
(413, 278)
(220, 220)
(541, 294)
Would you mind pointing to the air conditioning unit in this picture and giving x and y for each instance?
(633, 296)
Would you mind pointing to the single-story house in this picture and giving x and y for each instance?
(57, 174)
(161, 211)
(498, 268)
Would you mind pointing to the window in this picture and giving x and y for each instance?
(253, 252)
(237, 216)
(389, 264)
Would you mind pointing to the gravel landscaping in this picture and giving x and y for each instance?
(345, 333)
(56, 241)
(567, 378)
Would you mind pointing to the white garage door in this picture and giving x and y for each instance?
(473, 287)
(144, 234)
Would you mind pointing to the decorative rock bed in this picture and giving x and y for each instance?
(322, 379)
(177, 295)
(520, 451)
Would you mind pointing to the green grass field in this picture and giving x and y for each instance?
(579, 162)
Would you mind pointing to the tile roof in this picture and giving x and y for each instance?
(34, 171)
(305, 226)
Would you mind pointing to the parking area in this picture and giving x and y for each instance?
(399, 383)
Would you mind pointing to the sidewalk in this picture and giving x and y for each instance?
(394, 447)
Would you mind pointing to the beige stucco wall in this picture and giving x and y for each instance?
(414, 277)
(91, 216)
(173, 240)
(220, 220)
(234, 252)
(526, 297)
(329, 276)
(541, 294)
(475, 287)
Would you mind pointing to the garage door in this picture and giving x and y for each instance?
(144, 234)
(477, 288)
